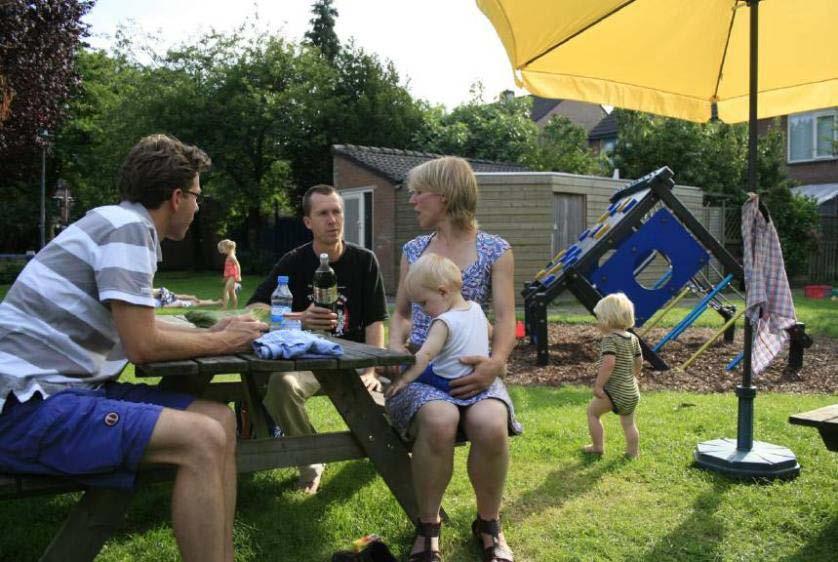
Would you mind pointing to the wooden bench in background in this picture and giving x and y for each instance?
(825, 419)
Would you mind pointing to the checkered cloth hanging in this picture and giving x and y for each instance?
(770, 308)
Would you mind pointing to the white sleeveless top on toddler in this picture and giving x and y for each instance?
(468, 334)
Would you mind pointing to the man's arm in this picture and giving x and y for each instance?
(144, 340)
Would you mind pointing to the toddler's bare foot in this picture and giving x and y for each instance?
(591, 450)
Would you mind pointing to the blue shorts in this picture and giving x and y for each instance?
(429, 377)
(96, 437)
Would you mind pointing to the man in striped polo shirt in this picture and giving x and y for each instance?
(80, 310)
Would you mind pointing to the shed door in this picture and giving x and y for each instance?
(568, 219)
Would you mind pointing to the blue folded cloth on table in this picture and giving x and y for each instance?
(293, 344)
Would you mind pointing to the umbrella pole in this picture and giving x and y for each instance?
(742, 458)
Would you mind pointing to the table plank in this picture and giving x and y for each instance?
(264, 454)
(816, 418)
(385, 357)
(258, 365)
(185, 368)
(222, 364)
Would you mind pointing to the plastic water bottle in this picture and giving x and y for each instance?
(281, 302)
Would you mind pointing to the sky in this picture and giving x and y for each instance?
(439, 47)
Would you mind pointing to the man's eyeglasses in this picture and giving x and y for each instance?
(199, 197)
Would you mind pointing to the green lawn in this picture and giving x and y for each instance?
(559, 505)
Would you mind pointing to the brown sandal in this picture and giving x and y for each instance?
(429, 531)
(496, 552)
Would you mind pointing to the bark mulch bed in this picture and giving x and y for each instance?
(574, 350)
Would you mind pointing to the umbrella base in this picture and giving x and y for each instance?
(764, 460)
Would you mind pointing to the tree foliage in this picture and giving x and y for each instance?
(322, 33)
(38, 40)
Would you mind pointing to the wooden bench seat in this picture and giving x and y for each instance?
(825, 419)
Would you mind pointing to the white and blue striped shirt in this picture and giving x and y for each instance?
(56, 328)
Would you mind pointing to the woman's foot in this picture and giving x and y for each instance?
(492, 542)
(426, 544)
(591, 450)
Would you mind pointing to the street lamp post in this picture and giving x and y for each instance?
(43, 134)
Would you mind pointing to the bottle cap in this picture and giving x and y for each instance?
(282, 279)
(324, 257)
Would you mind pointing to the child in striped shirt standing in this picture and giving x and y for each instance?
(615, 388)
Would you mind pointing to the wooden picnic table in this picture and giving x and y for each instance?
(825, 419)
(100, 512)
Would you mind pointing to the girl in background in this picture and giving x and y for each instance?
(232, 274)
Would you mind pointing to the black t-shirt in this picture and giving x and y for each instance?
(361, 299)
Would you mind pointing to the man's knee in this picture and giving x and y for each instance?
(287, 386)
(208, 443)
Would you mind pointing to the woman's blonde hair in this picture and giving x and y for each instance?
(432, 271)
(453, 178)
(224, 244)
(615, 311)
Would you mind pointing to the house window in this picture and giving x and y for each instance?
(812, 136)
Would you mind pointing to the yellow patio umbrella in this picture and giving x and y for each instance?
(673, 57)
(738, 59)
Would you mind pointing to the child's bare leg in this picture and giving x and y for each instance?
(596, 408)
(632, 435)
(229, 292)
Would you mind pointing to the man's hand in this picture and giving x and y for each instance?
(486, 370)
(240, 331)
(317, 318)
(371, 381)
(225, 320)
(599, 392)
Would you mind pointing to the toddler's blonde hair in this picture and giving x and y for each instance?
(615, 311)
(224, 244)
(432, 271)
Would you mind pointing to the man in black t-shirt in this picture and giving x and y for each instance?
(360, 315)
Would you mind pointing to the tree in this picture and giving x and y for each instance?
(322, 33)
(501, 131)
(38, 40)
(562, 146)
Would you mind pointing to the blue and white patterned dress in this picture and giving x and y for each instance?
(477, 287)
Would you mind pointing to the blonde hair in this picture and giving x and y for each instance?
(225, 244)
(453, 178)
(615, 311)
(432, 271)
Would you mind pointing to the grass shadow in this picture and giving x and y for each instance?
(699, 536)
(272, 519)
(560, 486)
(821, 547)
